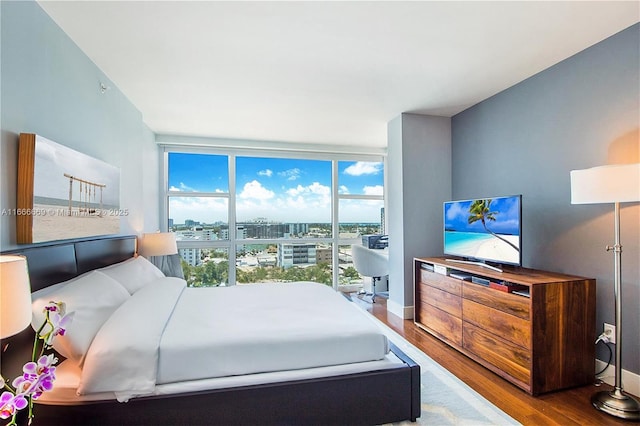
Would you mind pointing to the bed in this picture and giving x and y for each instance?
(292, 386)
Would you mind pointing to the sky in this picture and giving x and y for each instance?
(53, 161)
(278, 189)
(507, 221)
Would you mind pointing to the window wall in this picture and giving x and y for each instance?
(248, 216)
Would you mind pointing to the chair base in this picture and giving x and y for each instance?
(364, 293)
(373, 294)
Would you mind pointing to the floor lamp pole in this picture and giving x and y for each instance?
(616, 402)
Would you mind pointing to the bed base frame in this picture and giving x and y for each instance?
(368, 398)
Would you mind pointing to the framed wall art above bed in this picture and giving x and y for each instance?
(63, 193)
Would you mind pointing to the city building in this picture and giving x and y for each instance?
(296, 254)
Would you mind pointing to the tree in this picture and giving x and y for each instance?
(261, 274)
(480, 210)
(351, 273)
(209, 274)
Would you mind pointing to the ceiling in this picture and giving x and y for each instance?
(323, 72)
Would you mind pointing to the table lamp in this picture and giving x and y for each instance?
(156, 247)
(158, 244)
(15, 295)
(611, 184)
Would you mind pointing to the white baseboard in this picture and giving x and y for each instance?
(630, 381)
(404, 312)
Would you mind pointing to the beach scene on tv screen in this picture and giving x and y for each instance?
(487, 229)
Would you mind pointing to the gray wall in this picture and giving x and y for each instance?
(418, 181)
(51, 88)
(580, 113)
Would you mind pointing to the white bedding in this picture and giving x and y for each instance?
(249, 329)
(167, 334)
(123, 356)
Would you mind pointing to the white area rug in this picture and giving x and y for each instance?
(445, 399)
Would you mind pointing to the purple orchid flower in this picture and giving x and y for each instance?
(10, 403)
(37, 378)
(38, 375)
(59, 324)
(56, 323)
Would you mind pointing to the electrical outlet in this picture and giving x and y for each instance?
(610, 332)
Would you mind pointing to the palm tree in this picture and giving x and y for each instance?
(480, 210)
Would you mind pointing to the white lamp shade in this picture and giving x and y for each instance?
(158, 244)
(15, 295)
(606, 184)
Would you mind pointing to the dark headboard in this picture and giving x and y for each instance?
(53, 262)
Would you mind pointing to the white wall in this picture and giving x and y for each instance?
(51, 88)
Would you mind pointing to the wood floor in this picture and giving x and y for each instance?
(569, 407)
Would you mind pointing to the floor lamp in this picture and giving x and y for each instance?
(611, 184)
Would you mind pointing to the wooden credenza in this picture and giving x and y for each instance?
(540, 343)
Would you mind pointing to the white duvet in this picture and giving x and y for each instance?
(168, 333)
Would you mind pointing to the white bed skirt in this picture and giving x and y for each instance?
(68, 378)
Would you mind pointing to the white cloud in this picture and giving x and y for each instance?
(363, 168)
(298, 202)
(202, 209)
(318, 189)
(291, 174)
(343, 189)
(293, 192)
(182, 187)
(185, 188)
(455, 210)
(255, 190)
(315, 188)
(312, 201)
(360, 210)
(266, 172)
(373, 190)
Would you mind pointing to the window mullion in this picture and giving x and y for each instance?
(164, 207)
(232, 220)
(335, 225)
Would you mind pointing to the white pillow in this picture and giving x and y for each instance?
(55, 287)
(93, 297)
(133, 273)
(44, 292)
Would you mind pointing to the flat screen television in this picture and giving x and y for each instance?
(484, 230)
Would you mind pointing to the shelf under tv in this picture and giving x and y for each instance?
(477, 263)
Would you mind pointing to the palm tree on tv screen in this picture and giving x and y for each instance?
(480, 210)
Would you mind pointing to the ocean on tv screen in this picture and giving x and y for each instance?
(485, 246)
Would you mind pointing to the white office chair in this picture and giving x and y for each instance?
(370, 263)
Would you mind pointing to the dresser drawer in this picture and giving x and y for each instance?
(447, 326)
(510, 358)
(443, 282)
(505, 302)
(509, 327)
(447, 302)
